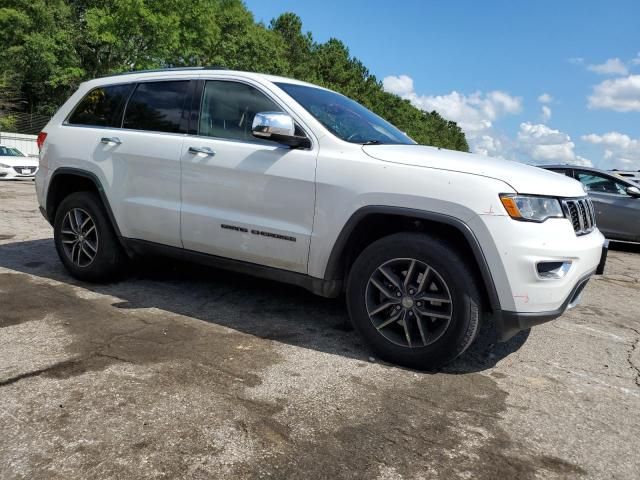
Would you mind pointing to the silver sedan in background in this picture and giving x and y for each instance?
(616, 200)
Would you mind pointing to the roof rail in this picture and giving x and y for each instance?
(170, 69)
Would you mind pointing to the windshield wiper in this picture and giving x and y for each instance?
(373, 142)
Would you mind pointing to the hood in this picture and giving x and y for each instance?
(522, 178)
(14, 161)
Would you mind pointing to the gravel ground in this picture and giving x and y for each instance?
(185, 372)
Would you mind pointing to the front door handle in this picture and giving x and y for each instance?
(108, 140)
(205, 150)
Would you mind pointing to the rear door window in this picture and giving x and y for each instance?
(102, 106)
(157, 106)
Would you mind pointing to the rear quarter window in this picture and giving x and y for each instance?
(157, 106)
(101, 107)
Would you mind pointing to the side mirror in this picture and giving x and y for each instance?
(279, 127)
(633, 192)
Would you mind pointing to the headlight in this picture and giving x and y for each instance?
(529, 208)
(2, 165)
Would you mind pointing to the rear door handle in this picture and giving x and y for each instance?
(205, 150)
(108, 140)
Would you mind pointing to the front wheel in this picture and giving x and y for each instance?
(414, 299)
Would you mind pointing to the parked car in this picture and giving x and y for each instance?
(616, 200)
(14, 164)
(627, 175)
(293, 182)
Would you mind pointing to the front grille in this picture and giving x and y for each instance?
(20, 169)
(581, 213)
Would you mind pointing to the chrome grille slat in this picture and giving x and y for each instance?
(582, 217)
(581, 213)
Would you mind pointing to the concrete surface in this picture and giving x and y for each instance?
(184, 372)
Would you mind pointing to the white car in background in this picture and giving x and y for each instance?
(14, 164)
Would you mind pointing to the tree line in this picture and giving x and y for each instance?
(47, 47)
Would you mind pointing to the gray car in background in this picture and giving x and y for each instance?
(616, 200)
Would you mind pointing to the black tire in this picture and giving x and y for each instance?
(109, 258)
(451, 336)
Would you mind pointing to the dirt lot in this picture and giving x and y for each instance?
(183, 372)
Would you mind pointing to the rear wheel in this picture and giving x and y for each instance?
(85, 240)
(414, 299)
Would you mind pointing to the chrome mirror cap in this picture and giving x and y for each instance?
(278, 127)
(268, 124)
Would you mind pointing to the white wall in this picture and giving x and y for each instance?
(25, 143)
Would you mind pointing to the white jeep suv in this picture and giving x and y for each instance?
(295, 183)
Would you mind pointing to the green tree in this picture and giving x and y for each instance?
(37, 48)
(245, 45)
(298, 46)
(49, 46)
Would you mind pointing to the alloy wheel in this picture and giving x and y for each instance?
(79, 237)
(408, 302)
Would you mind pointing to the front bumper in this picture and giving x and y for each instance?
(510, 323)
(13, 173)
(517, 254)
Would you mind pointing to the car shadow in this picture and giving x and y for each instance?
(266, 309)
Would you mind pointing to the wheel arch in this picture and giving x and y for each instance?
(371, 223)
(67, 180)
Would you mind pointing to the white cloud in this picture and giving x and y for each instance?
(546, 145)
(636, 60)
(613, 66)
(620, 150)
(489, 145)
(545, 98)
(619, 94)
(401, 85)
(475, 113)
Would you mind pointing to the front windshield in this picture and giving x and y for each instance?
(10, 152)
(345, 118)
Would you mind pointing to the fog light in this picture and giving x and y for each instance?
(553, 270)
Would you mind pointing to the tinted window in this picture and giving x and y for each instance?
(228, 109)
(157, 106)
(101, 107)
(601, 183)
(344, 117)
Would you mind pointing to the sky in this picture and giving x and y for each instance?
(539, 82)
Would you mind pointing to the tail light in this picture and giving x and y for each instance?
(42, 136)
